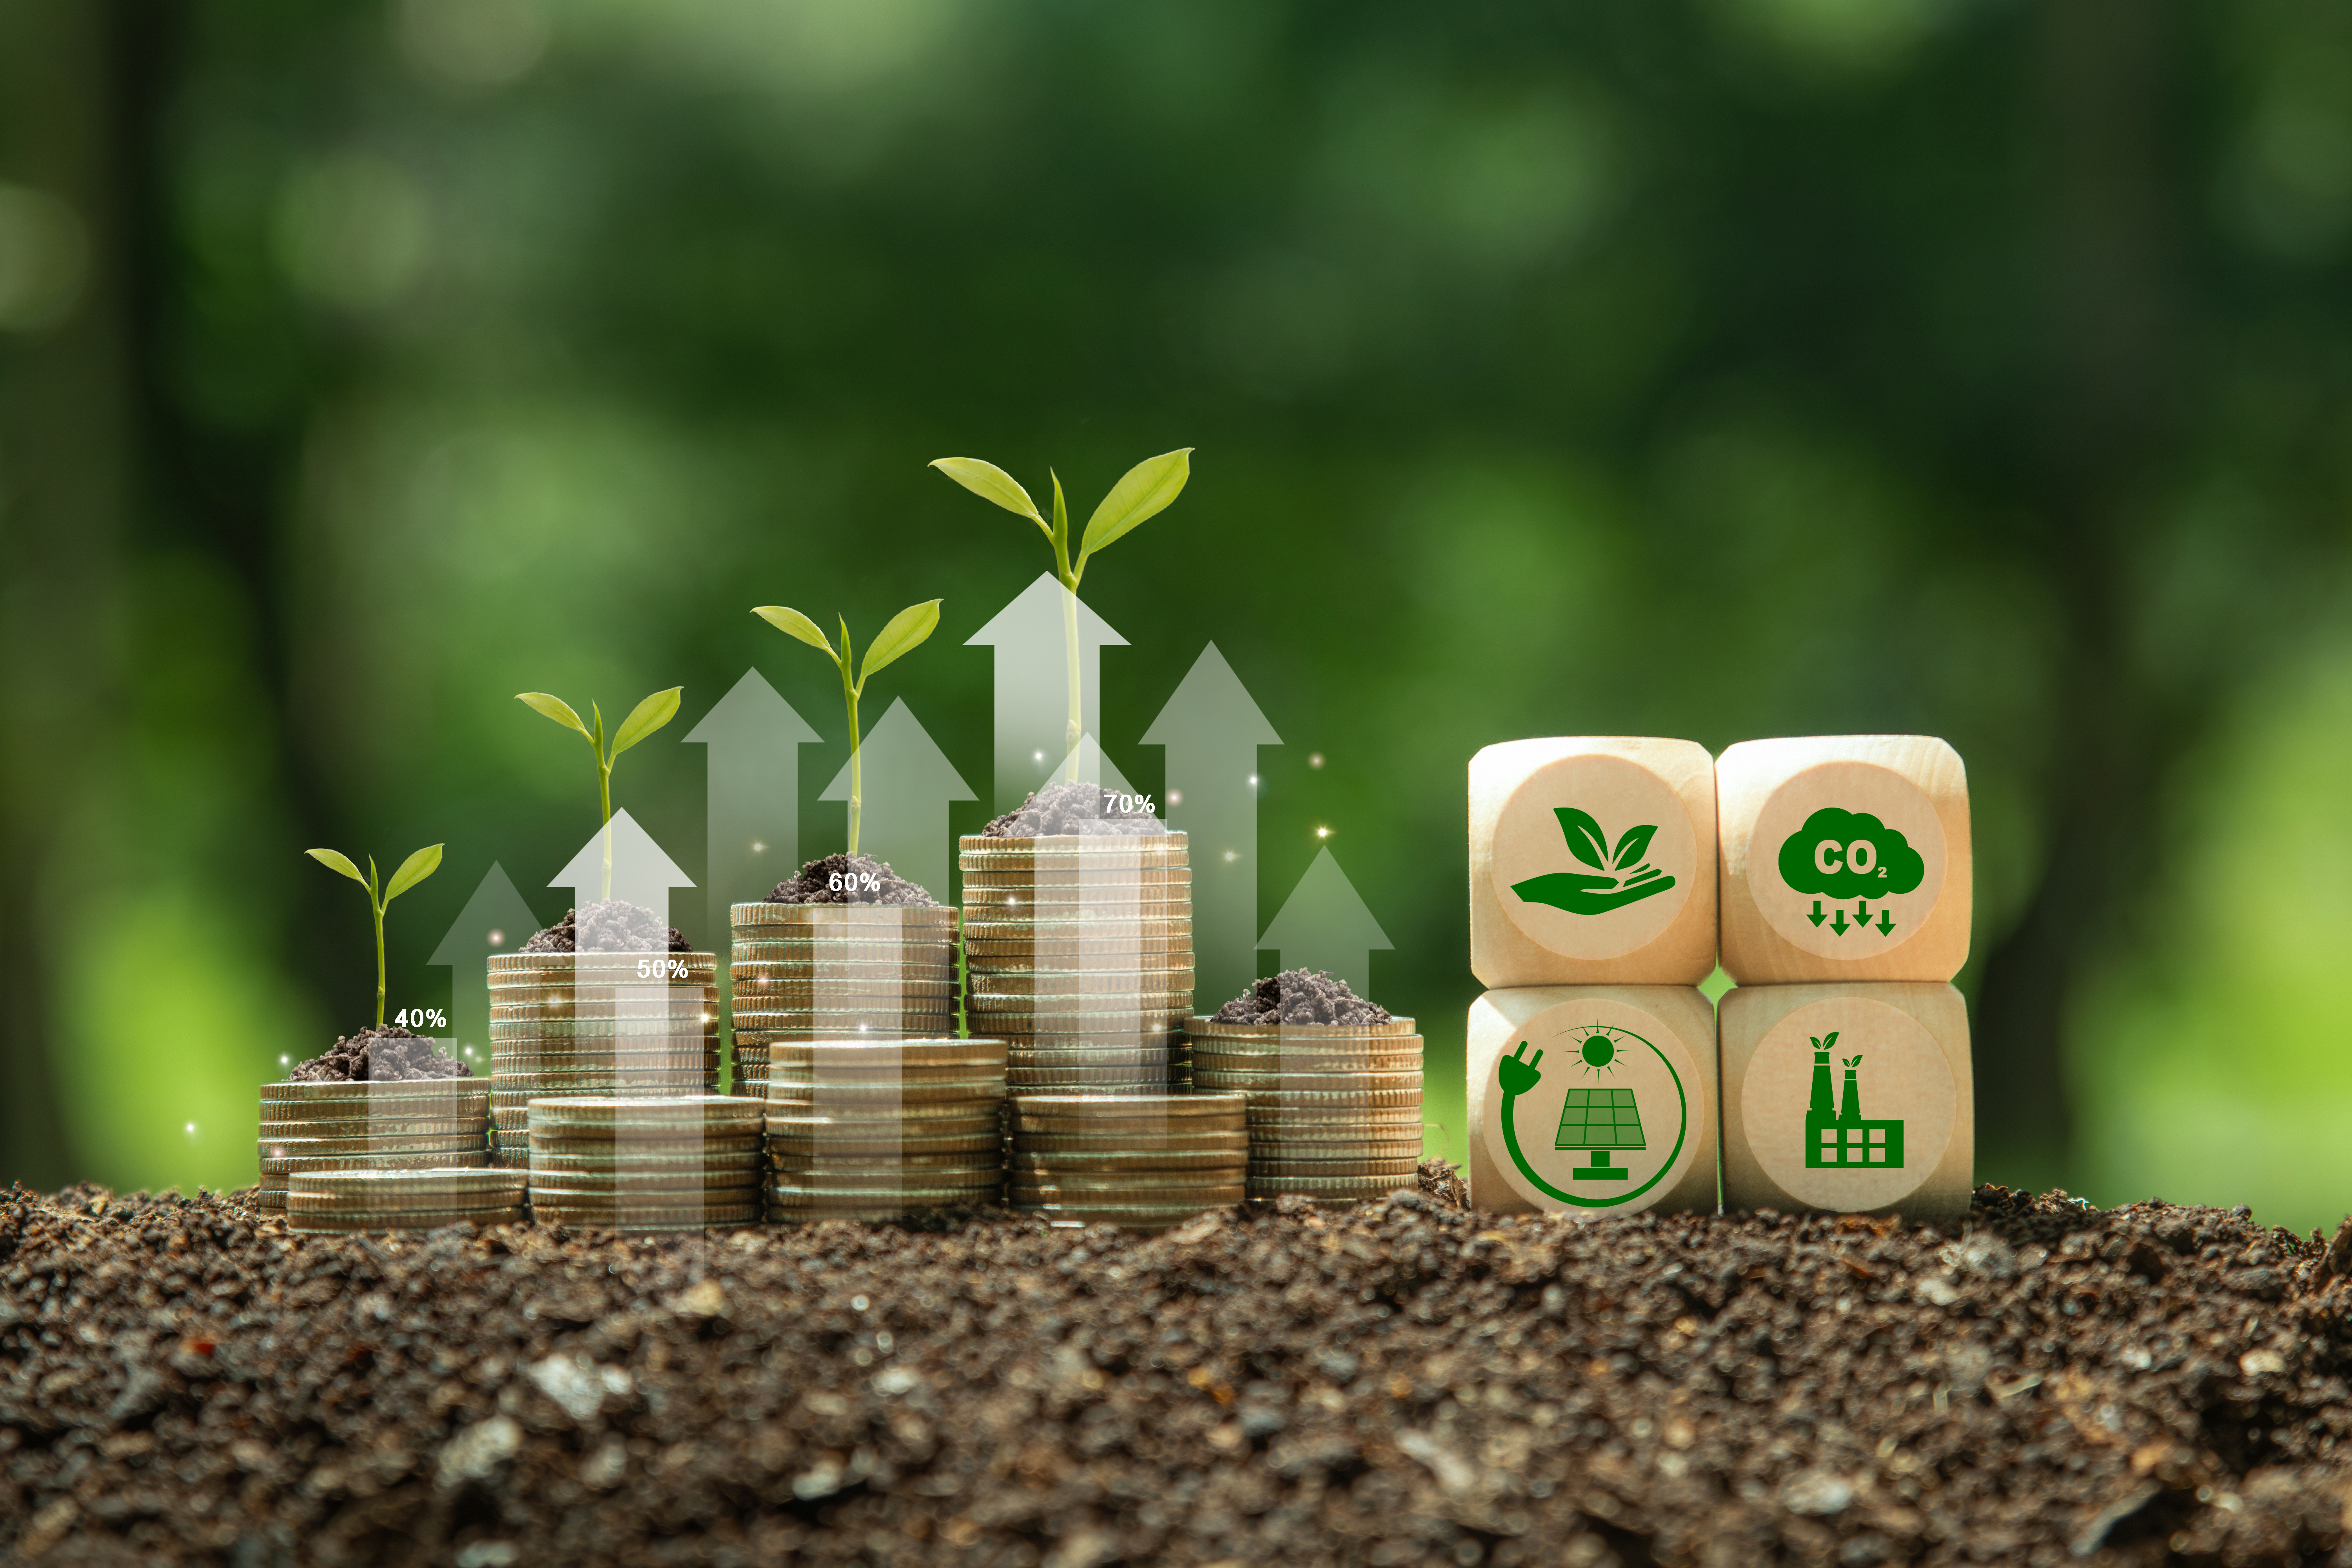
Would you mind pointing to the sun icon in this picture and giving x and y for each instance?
(1599, 1050)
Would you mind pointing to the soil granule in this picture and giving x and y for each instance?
(814, 884)
(611, 925)
(1398, 1383)
(381, 1054)
(1301, 997)
(1073, 806)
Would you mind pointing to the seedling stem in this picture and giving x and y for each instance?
(643, 719)
(413, 870)
(905, 632)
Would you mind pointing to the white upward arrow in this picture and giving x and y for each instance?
(495, 920)
(909, 783)
(753, 794)
(1213, 731)
(1326, 925)
(641, 874)
(1032, 685)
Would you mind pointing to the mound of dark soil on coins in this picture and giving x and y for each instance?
(1301, 997)
(1073, 806)
(1398, 1383)
(611, 925)
(843, 878)
(381, 1055)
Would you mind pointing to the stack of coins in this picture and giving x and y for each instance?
(351, 1203)
(1334, 1108)
(870, 1129)
(1078, 954)
(1142, 1162)
(838, 972)
(408, 1125)
(595, 1023)
(653, 1165)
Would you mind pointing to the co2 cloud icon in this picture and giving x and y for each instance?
(1849, 855)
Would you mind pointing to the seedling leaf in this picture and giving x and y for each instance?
(1631, 847)
(1829, 1042)
(1585, 839)
(413, 870)
(554, 708)
(334, 861)
(986, 479)
(645, 718)
(793, 624)
(1141, 492)
(905, 633)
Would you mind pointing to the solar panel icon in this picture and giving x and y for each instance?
(1601, 1122)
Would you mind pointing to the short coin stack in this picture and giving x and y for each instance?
(1334, 1108)
(870, 1130)
(1142, 1162)
(595, 1023)
(406, 1125)
(353, 1203)
(1078, 954)
(656, 1164)
(837, 971)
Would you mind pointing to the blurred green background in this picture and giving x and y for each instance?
(1711, 368)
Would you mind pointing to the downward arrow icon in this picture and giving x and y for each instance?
(1817, 917)
(1862, 911)
(1886, 923)
(1837, 922)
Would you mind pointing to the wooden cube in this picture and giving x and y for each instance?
(1592, 862)
(1849, 1099)
(1592, 1099)
(1844, 858)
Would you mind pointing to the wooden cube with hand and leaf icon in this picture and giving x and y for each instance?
(1592, 862)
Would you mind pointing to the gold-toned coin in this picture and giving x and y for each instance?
(373, 1185)
(1172, 1141)
(850, 1146)
(447, 1143)
(1127, 1216)
(635, 965)
(1305, 1035)
(1056, 949)
(1043, 1163)
(709, 1110)
(1042, 1106)
(1394, 1172)
(1221, 1062)
(685, 1217)
(908, 917)
(817, 1197)
(411, 1095)
(987, 878)
(1329, 1189)
(385, 1225)
(1125, 1190)
(385, 1126)
(911, 1054)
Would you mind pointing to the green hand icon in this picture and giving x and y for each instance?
(1580, 894)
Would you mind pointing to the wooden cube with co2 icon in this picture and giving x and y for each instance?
(1592, 862)
(1843, 858)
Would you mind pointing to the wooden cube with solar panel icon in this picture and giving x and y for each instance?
(1596, 1098)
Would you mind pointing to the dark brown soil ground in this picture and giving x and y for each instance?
(612, 925)
(1301, 997)
(1073, 806)
(181, 1381)
(385, 1054)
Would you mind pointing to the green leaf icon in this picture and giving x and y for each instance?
(1585, 839)
(1630, 849)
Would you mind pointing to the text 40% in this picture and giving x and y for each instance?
(421, 1018)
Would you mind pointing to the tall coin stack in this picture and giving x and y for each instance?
(353, 1203)
(837, 971)
(1079, 954)
(870, 1129)
(405, 1125)
(651, 1164)
(1141, 1161)
(597, 1024)
(1334, 1108)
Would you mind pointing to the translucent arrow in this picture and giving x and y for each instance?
(1326, 925)
(908, 785)
(1032, 685)
(1212, 730)
(641, 874)
(495, 920)
(753, 795)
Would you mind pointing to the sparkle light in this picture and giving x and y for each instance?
(1175, 797)
(1313, 759)
(1322, 832)
(758, 848)
(191, 1128)
(1232, 854)
(1252, 779)
(1040, 756)
(498, 939)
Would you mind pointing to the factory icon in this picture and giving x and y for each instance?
(1836, 1135)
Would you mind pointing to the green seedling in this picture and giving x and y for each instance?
(645, 718)
(905, 633)
(413, 870)
(1144, 490)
